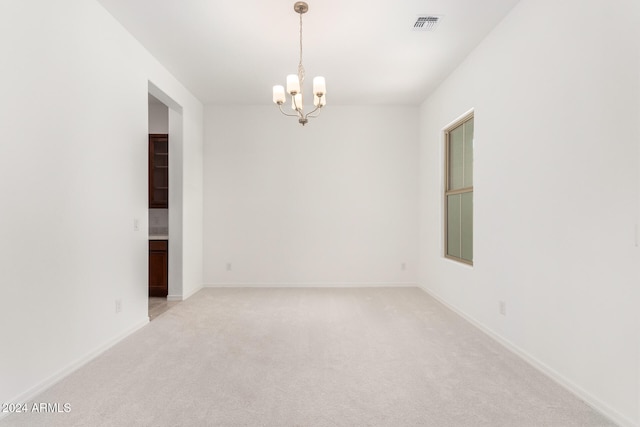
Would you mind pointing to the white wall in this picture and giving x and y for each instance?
(73, 176)
(555, 91)
(158, 117)
(333, 203)
(176, 211)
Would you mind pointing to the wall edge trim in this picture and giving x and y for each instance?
(75, 365)
(183, 297)
(313, 284)
(540, 366)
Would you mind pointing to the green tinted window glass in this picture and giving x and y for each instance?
(453, 225)
(456, 158)
(466, 226)
(468, 154)
(459, 190)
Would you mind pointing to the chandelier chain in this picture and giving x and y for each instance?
(300, 66)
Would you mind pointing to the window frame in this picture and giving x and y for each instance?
(447, 192)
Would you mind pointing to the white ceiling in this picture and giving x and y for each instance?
(233, 52)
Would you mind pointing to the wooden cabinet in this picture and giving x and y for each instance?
(158, 268)
(158, 171)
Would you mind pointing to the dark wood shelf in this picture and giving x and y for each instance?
(158, 171)
(158, 268)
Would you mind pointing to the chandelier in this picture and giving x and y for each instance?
(295, 84)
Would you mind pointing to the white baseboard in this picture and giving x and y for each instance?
(183, 297)
(191, 293)
(573, 388)
(74, 366)
(312, 285)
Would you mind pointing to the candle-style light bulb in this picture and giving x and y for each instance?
(296, 102)
(319, 86)
(293, 84)
(278, 94)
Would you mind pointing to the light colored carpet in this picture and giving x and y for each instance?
(158, 305)
(310, 357)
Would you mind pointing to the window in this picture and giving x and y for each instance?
(458, 199)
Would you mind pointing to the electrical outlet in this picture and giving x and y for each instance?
(403, 266)
(118, 305)
(503, 308)
(228, 266)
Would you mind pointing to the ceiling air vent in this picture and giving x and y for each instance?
(426, 22)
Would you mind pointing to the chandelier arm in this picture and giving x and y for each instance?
(290, 115)
(309, 114)
(299, 108)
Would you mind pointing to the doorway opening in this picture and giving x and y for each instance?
(165, 202)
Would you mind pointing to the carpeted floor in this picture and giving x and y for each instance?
(310, 357)
(158, 305)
